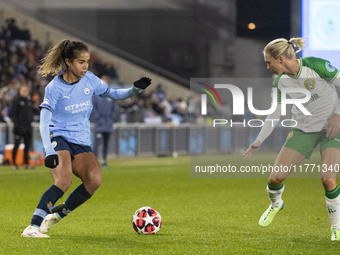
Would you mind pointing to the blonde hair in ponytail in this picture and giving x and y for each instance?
(284, 47)
(53, 62)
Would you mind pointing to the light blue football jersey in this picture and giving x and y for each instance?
(71, 106)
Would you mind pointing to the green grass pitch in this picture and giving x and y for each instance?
(200, 216)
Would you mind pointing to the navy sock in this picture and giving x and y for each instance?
(75, 199)
(51, 195)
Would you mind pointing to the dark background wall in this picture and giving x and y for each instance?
(194, 40)
(272, 18)
(175, 40)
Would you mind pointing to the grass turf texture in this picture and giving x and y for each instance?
(200, 216)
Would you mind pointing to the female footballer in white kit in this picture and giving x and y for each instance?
(321, 127)
(65, 131)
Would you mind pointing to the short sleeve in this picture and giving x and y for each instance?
(322, 67)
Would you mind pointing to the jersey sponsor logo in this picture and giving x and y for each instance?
(87, 91)
(309, 84)
(46, 101)
(329, 67)
(290, 135)
(78, 106)
(313, 98)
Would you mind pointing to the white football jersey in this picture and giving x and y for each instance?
(316, 75)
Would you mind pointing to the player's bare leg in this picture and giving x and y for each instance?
(62, 176)
(86, 167)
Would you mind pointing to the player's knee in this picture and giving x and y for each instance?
(95, 182)
(329, 183)
(275, 181)
(64, 184)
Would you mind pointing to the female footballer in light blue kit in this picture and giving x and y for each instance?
(65, 131)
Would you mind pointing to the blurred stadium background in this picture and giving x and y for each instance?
(172, 41)
(169, 40)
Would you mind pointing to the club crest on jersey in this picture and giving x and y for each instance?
(329, 67)
(309, 84)
(87, 91)
(290, 135)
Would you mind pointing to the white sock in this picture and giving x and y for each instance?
(333, 208)
(275, 196)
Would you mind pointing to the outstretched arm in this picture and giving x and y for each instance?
(137, 87)
(267, 128)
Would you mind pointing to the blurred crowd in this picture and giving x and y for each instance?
(19, 59)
